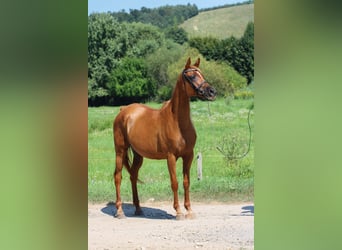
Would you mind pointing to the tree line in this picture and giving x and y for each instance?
(130, 60)
(163, 17)
(227, 5)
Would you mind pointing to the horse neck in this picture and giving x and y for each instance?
(180, 103)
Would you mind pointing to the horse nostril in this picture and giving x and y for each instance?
(212, 91)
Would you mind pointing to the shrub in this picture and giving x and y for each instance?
(157, 65)
(177, 34)
(220, 75)
(233, 148)
(239, 53)
(130, 82)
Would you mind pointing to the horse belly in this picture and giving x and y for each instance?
(148, 149)
(147, 143)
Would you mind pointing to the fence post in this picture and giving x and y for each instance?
(199, 166)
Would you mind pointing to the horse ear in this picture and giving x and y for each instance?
(197, 63)
(188, 63)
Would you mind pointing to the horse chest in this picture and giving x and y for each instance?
(184, 138)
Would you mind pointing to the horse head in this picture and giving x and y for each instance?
(197, 86)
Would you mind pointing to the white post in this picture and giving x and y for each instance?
(199, 166)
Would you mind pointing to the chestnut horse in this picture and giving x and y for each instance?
(167, 133)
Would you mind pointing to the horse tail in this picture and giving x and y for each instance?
(127, 162)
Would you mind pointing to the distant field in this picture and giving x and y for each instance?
(220, 23)
(220, 181)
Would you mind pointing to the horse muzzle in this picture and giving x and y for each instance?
(208, 93)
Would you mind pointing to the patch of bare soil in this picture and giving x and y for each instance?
(216, 226)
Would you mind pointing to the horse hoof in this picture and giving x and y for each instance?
(190, 216)
(180, 217)
(120, 216)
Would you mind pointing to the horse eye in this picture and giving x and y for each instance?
(192, 77)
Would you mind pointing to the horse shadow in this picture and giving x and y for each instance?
(248, 210)
(129, 210)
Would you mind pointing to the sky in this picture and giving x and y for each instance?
(118, 5)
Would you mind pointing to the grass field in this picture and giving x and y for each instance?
(221, 23)
(222, 180)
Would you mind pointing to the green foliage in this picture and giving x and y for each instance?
(177, 34)
(108, 43)
(104, 47)
(129, 82)
(142, 39)
(245, 93)
(163, 17)
(158, 64)
(94, 90)
(220, 75)
(233, 147)
(213, 48)
(242, 54)
(239, 53)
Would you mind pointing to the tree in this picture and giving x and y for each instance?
(129, 82)
(242, 54)
(163, 17)
(105, 46)
(177, 34)
(210, 47)
(143, 39)
(157, 65)
(108, 43)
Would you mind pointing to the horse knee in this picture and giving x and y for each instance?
(186, 184)
(174, 186)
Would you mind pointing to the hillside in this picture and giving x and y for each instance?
(220, 23)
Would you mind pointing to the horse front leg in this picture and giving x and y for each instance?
(187, 160)
(171, 163)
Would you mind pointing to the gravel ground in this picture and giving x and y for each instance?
(216, 226)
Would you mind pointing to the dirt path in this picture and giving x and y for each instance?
(216, 226)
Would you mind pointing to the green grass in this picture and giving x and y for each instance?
(221, 23)
(222, 181)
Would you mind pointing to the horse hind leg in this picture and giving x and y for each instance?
(134, 171)
(120, 156)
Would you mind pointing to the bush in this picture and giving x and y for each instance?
(233, 148)
(239, 53)
(109, 42)
(177, 34)
(157, 66)
(129, 82)
(220, 75)
(142, 39)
